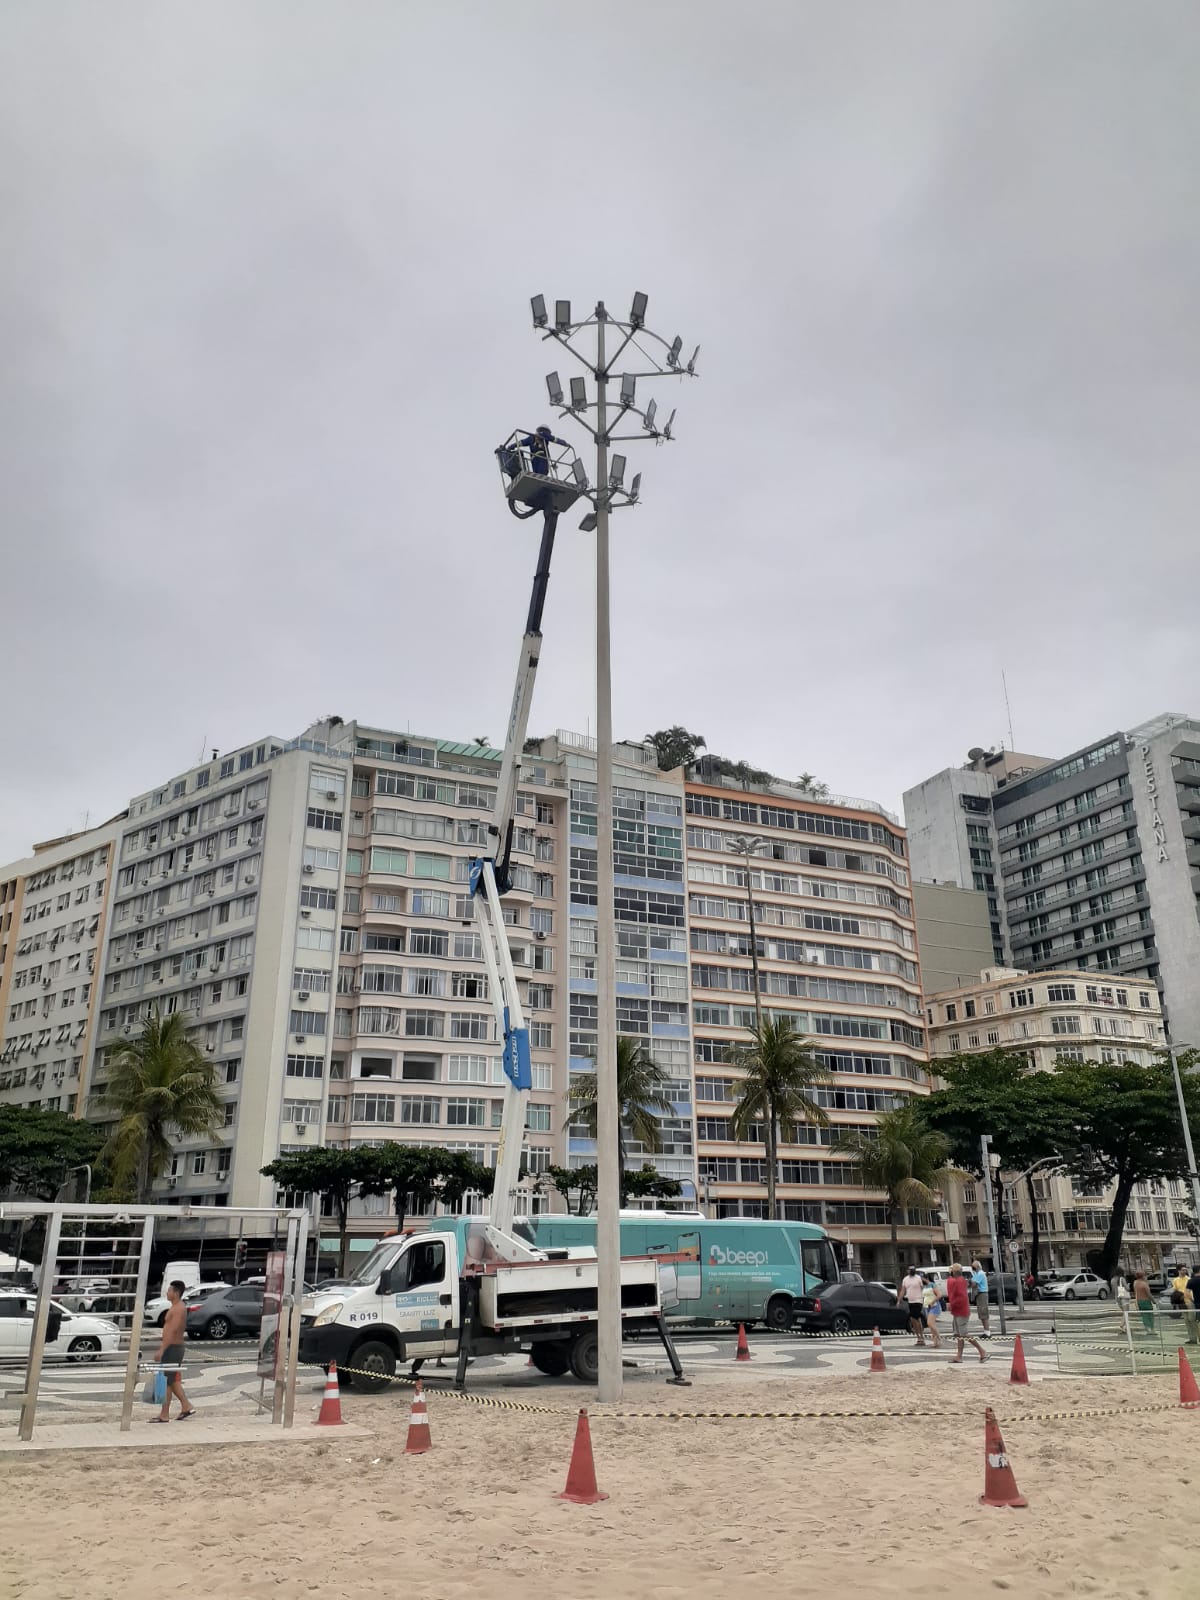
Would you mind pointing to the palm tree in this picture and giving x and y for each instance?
(781, 1073)
(906, 1159)
(641, 1093)
(159, 1080)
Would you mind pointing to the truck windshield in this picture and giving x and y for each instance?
(382, 1256)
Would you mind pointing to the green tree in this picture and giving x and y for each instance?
(577, 1182)
(39, 1148)
(423, 1173)
(159, 1082)
(781, 1071)
(906, 1160)
(998, 1093)
(675, 747)
(649, 1184)
(332, 1174)
(641, 1097)
(1123, 1128)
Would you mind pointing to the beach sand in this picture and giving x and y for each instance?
(870, 1507)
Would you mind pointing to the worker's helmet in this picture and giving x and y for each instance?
(545, 432)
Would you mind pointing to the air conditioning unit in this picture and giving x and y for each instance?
(249, 877)
(139, 917)
(253, 805)
(308, 868)
(306, 912)
(184, 831)
(46, 982)
(331, 794)
(211, 893)
(172, 1183)
(299, 1038)
(539, 936)
(211, 1048)
(304, 994)
(301, 1129)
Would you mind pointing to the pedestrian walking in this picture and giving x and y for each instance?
(983, 1309)
(1145, 1300)
(170, 1354)
(1193, 1288)
(911, 1293)
(959, 1302)
(932, 1306)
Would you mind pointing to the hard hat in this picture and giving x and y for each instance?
(545, 431)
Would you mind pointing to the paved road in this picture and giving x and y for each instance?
(216, 1374)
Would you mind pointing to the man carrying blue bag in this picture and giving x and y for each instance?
(170, 1357)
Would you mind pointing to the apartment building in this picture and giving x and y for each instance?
(828, 885)
(1096, 856)
(53, 908)
(1052, 1017)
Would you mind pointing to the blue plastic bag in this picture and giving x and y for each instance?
(154, 1391)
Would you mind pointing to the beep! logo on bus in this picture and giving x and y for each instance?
(717, 1257)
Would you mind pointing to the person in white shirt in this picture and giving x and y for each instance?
(911, 1293)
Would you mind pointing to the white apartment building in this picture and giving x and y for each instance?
(53, 907)
(1053, 1017)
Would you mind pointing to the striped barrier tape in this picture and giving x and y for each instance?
(493, 1402)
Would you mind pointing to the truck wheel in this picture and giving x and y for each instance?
(553, 1357)
(374, 1363)
(585, 1356)
(779, 1313)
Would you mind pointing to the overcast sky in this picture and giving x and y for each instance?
(264, 297)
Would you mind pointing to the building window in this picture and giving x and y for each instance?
(305, 1067)
(1057, 993)
(463, 1113)
(537, 1119)
(951, 1013)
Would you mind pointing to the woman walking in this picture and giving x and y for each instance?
(932, 1305)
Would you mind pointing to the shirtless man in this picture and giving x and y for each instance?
(170, 1353)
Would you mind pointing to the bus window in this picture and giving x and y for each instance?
(820, 1265)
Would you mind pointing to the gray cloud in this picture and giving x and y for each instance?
(264, 302)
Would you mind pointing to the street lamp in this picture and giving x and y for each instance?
(648, 356)
(1189, 1148)
(746, 848)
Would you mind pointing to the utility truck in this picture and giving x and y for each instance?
(482, 1286)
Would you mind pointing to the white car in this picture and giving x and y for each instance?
(80, 1337)
(1074, 1286)
(156, 1309)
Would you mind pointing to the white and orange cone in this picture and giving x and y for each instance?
(999, 1484)
(330, 1414)
(418, 1425)
(878, 1364)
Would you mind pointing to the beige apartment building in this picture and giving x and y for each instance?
(827, 884)
(1052, 1017)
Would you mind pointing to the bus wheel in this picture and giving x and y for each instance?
(779, 1313)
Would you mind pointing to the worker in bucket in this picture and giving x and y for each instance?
(538, 444)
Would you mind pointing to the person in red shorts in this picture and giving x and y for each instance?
(960, 1313)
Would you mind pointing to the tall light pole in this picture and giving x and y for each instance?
(644, 362)
(1188, 1147)
(746, 848)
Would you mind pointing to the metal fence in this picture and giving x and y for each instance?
(1111, 1340)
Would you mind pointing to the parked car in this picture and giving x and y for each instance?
(70, 1335)
(844, 1307)
(225, 1313)
(1075, 1286)
(156, 1309)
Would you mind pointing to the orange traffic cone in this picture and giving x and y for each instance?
(1018, 1373)
(878, 1364)
(743, 1349)
(1189, 1391)
(330, 1414)
(418, 1440)
(999, 1485)
(581, 1474)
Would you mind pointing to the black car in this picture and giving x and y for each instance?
(847, 1307)
(226, 1313)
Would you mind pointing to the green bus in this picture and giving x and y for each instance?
(728, 1269)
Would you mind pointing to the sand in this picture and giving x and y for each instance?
(882, 1506)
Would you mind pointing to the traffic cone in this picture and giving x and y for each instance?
(878, 1364)
(1189, 1391)
(743, 1349)
(330, 1414)
(581, 1474)
(1018, 1373)
(418, 1440)
(999, 1485)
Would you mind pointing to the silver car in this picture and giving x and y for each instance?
(1075, 1286)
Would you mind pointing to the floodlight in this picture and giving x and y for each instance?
(562, 315)
(538, 307)
(578, 395)
(554, 389)
(667, 429)
(673, 352)
(637, 316)
(635, 488)
(588, 525)
(628, 386)
(692, 363)
(578, 473)
(616, 472)
(650, 410)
